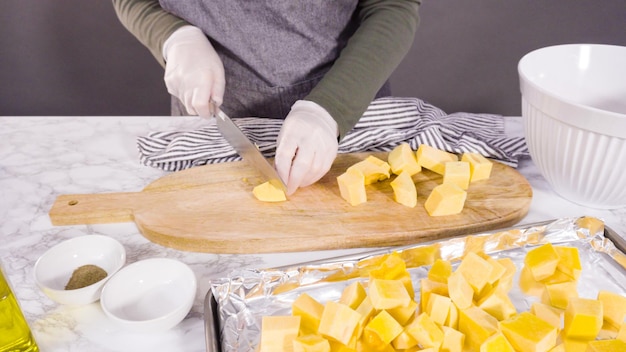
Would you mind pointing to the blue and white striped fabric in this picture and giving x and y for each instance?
(386, 123)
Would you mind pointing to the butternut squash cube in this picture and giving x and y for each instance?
(352, 187)
(457, 172)
(476, 270)
(434, 159)
(310, 343)
(528, 333)
(427, 287)
(480, 167)
(373, 169)
(393, 267)
(460, 291)
(614, 308)
(621, 335)
(404, 190)
(338, 322)
(569, 261)
(353, 295)
(606, 346)
(402, 158)
(542, 261)
(528, 284)
(388, 294)
(438, 308)
(547, 313)
(453, 317)
(403, 314)
(498, 304)
(310, 312)
(278, 333)
(440, 271)
(453, 340)
(573, 345)
(559, 294)
(425, 331)
(496, 343)
(381, 330)
(477, 325)
(506, 280)
(445, 199)
(268, 192)
(404, 341)
(583, 318)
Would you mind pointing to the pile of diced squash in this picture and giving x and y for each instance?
(464, 309)
(448, 198)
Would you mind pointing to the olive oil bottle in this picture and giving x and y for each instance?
(15, 335)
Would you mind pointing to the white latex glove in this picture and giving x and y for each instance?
(194, 73)
(307, 145)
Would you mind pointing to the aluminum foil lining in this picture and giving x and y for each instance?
(245, 296)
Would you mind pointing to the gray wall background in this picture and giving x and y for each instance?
(73, 57)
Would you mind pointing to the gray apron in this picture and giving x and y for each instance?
(274, 52)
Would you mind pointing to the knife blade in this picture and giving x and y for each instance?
(245, 148)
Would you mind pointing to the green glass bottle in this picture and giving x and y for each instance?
(15, 335)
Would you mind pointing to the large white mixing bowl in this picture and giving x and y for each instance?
(574, 111)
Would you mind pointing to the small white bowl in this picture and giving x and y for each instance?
(574, 109)
(54, 268)
(150, 295)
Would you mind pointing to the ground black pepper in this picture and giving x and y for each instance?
(84, 276)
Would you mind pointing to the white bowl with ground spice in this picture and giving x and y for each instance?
(74, 271)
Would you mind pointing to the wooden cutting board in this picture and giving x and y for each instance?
(212, 209)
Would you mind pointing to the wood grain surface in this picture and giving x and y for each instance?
(211, 209)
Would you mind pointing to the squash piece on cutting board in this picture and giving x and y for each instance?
(434, 159)
(402, 159)
(267, 192)
(373, 169)
(352, 187)
(404, 190)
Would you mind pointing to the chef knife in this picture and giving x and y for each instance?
(246, 149)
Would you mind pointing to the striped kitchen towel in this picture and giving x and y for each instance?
(386, 123)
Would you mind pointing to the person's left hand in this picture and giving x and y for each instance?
(307, 145)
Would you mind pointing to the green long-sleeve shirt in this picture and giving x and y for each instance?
(384, 36)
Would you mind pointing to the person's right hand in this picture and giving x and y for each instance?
(194, 72)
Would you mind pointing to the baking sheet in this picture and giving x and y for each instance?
(235, 305)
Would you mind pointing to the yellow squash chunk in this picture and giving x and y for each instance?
(606, 346)
(460, 291)
(476, 271)
(542, 261)
(477, 325)
(527, 333)
(404, 341)
(573, 345)
(445, 199)
(403, 314)
(366, 310)
(547, 313)
(497, 269)
(425, 331)
(393, 267)
(340, 347)
(569, 261)
(496, 343)
(457, 172)
(402, 158)
(338, 322)
(381, 330)
(558, 295)
(558, 348)
(434, 159)
(278, 333)
(373, 169)
(506, 280)
(310, 312)
(614, 307)
(352, 187)
(583, 318)
(453, 340)
(267, 192)
(388, 294)
(404, 191)
(480, 167)
(440, 271)
(310, 343)
(353, 295)
(557, 278)
(428, 287)
(438, 308)
(498, 304)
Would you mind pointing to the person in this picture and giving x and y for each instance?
(317, 64)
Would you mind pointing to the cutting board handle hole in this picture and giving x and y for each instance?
(72, 202)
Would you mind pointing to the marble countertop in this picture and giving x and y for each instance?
(43, 157)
